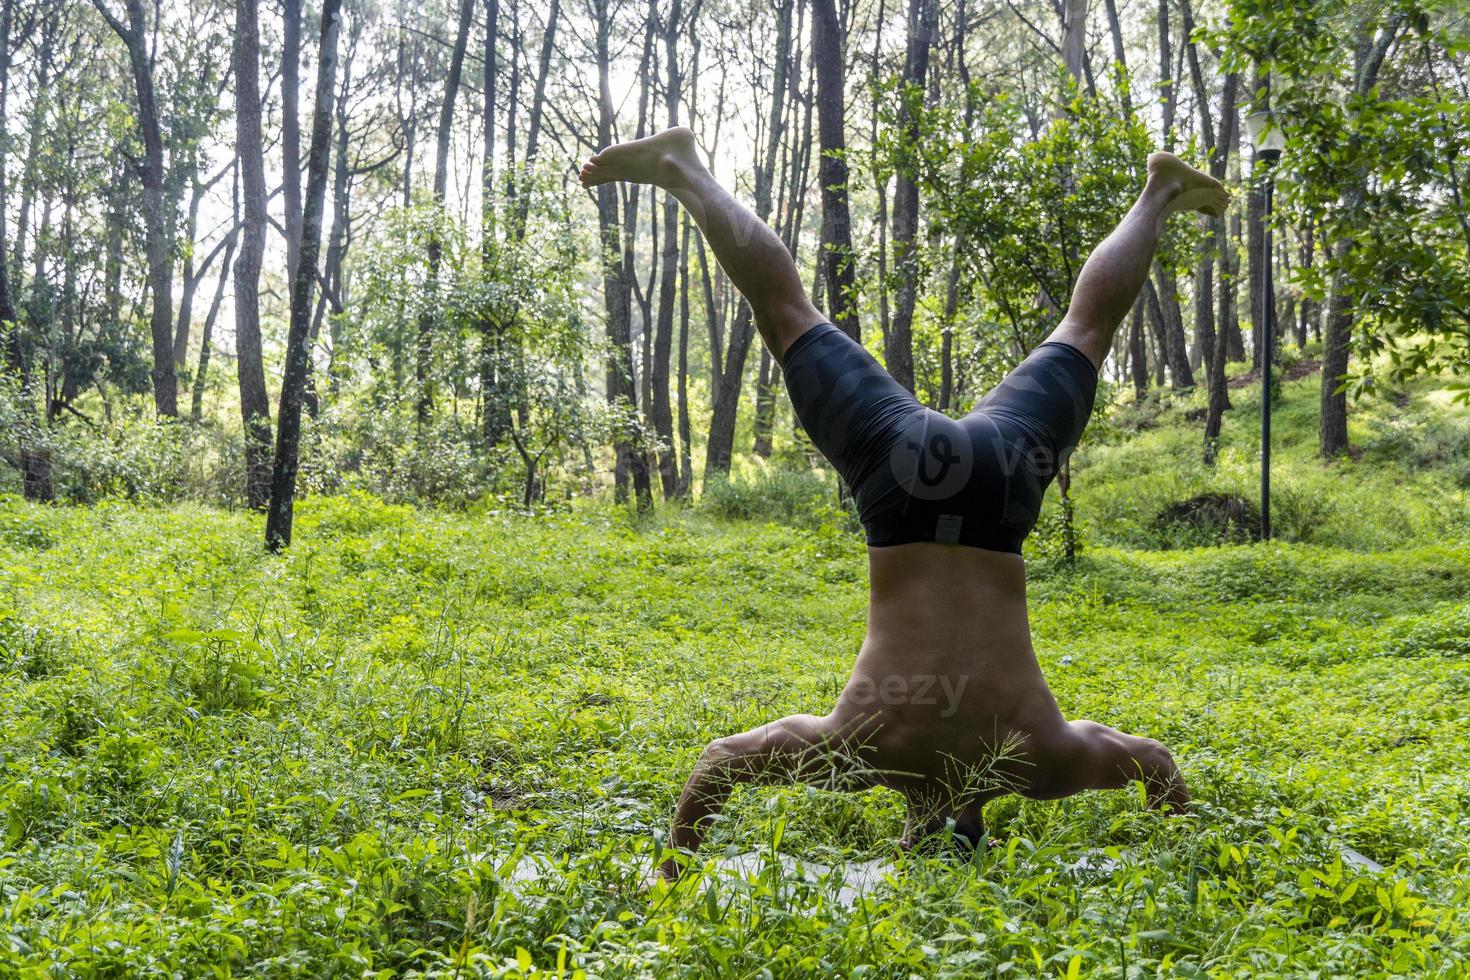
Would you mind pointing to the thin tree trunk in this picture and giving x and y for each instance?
(206, 339)
(836, 257)
(923, 21)
(157, 219)
(298, 356)
(1138, 353)
(632, 194)
(1230, 272)
(291, 130)
(720, 445)
(1218, 351)
(621, 391)
(190, 277)
(660, 409)
(1307, 311)
(885, 323)
(686, 449)
(795, 168)
(331, 302)
(424, 349)
(35, 462)
(1255, 235)
(494, 406)
(1338, 327)
(250, 368)
(1332, 431)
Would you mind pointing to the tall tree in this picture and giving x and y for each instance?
(291, 130)
(298, 355)
(1371, 50)
(923, 24)
(428, 314)
(727, 379)
(660, 407)
(631, 465)
(1255, 226)
(34, 462)
(1162, 292)
(835, 257)
(255, 408)
(158, 220)
(494, 409)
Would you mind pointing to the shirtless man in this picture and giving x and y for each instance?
(946, 703)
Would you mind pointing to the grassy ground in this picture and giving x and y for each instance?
(336, 762)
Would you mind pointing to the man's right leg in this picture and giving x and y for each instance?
(747, 249)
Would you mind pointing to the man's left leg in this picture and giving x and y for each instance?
(1118, 267)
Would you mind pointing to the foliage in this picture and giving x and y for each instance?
(1378, 165)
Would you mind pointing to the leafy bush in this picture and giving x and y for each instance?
(799, 498)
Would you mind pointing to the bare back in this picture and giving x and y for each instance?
(947, 673)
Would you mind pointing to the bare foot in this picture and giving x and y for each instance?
(659, 159)
(1193, 190)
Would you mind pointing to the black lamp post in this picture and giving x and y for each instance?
(1268, 141)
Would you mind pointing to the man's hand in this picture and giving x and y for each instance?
(1110, 759)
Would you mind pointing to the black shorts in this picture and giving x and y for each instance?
(918, 475)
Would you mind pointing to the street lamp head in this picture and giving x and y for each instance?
(1266, 135)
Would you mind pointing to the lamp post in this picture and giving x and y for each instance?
(1268, 141)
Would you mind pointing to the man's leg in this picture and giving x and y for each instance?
(1117, 269)
(747, 249)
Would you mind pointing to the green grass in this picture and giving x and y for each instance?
(333, 762)
(344, 761)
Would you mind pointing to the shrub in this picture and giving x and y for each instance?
(1209, 518)
(799, 498)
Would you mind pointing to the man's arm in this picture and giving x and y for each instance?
(1109, 759)
(790, 749)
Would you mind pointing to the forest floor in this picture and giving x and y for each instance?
(446, 743)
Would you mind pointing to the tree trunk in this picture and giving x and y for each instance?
(836, 257)
(494, 406)
(885, 323)
(686, 452)
(157, 219)
(190, 275)
(1176, 349)
(206, 339)
(424, 349)
(631, 463)
(298, 356)
(1138, 353)
(923, 21)
(1074, 37)
(250, 368)
(331, 301)
(1338, 328)
(291, 131)
(1220, 141)
(719, 447)
(660, 409)
(1332, 432)
(1307, 311)
(1230, 272)
(35, 462)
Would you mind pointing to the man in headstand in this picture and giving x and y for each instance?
(946, 504)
